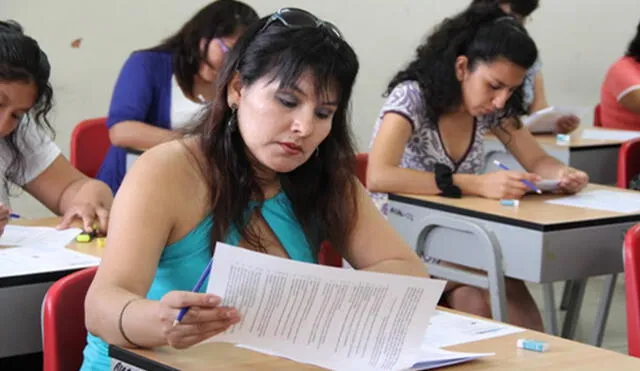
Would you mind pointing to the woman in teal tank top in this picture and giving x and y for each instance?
(268, 168)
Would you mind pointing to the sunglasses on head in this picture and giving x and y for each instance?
(298, 18)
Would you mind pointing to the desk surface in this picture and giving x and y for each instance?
(563, 355)
(533, 212)
(576, 142)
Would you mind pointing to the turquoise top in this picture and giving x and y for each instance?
(182, 262)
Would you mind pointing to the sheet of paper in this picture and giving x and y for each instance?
(329, 317)
(429, 358)
(548, 185)
(622, 135)
(22, 260)
(17, 235)
(621, 202)
(544, 120)
(447, 329)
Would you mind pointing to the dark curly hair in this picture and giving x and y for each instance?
(323, 189)
(523, 8)
(482, 33)
(634, 46)
(21, 59)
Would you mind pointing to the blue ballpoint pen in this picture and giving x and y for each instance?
(528, 183)
(196, 288)
(14, 216)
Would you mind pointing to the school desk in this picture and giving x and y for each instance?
(21, 299)
(598, 158)
(537, 242)
(563, 355)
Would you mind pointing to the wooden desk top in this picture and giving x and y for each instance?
(90, 248)
(576, 142)
(563, 355)
(533, 212)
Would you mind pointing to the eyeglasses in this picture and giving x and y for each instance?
(298, 18)
(225, 48)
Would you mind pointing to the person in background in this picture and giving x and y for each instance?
(465, 80)
(28, 157)
(159, 90)
(271, 169)
(533, 84)
(620, 91)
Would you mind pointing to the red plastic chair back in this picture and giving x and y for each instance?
(64, 333)
(632, 286)
(597, 116)
(628, 162)
(89, 145)
(362, 159)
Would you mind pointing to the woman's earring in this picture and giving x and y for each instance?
(317, 152)
(232, 124)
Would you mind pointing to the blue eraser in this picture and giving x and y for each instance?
(514, 203)
(563, 138)
(535, 345)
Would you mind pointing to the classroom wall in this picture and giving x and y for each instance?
(577, 39)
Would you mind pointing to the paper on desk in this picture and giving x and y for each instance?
(622, 135)
(329, 317)
(17, 235)
(447, 329)
(622, 202)
(22, 260)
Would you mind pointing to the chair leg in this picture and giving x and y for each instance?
(573, 311)
(564, 304)
(603, 311)
(550, 319)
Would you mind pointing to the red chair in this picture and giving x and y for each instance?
(632, 286)
(362, 160)
(64, 334)
(628, 162)
(597, 116)
(89, 145)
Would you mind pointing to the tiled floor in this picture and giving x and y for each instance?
(615, 337)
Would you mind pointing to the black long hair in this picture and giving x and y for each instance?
(523, 8)
(21, 59)
(634, 46)
(221, 18)
(482, 33)
(323, 189)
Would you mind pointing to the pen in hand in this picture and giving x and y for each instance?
(196, 288)
(526, 182)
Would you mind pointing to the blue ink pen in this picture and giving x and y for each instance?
(14, 216)
(528, 183)
(535, 345)
(196, 288)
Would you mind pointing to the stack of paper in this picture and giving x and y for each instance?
(603, 134)
(330, 317)
(36, 250)
(621, 202)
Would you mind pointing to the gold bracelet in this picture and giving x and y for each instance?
(120, 322)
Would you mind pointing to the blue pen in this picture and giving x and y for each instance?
(528, 183)
(196, 288)
(14, 216)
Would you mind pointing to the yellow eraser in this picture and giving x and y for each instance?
(83, 237)
(102, 241)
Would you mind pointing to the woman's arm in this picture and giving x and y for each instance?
(384, 173)
(565, 124)
(375, 246)
(139, 135)
(631, 101)
(66, 191)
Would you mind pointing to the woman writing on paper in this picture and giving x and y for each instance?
(534, 97)
(28, 157)
(269, 169)
(464, 81)
(159, 90)
(620, 92)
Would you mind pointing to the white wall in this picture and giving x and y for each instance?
(578, 39)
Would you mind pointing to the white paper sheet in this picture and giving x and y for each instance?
(23, 260)
(17, 235)
(622, 135)
(622, 202)
(447, 329)
(548, 185)
(544, 120)
(330, 317)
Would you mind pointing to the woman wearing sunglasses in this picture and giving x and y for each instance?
(270, 168)
(159, 90)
